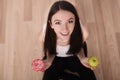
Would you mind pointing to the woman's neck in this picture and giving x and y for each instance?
(62, 42)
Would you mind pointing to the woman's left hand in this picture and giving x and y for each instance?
(84, 61)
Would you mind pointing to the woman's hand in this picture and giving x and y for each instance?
(84, 61)
(46, 65)
(40, 65)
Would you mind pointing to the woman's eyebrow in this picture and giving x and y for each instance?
(61, 20)
(70, 19)
(56, 20)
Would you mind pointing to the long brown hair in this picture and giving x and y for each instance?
(50, 36)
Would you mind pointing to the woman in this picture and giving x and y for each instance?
(63, 45)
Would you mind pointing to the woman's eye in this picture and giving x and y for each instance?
(57, 23)
(70, 21)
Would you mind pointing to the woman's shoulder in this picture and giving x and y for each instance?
(42, 33)
(85, 32)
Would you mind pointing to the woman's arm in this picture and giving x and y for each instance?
(85, 32)
(41, 41)
(42, 33)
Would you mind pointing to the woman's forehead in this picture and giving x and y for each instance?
(63, 15)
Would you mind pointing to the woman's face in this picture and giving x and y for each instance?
(63, 23)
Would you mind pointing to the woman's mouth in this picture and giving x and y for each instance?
(64, 34)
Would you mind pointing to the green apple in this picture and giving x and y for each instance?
(93, 61)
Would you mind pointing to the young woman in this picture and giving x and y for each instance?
(63, 45)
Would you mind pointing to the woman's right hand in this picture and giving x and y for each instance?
(46, 65)
(38, 65)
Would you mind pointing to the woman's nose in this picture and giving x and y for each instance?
(64, 27)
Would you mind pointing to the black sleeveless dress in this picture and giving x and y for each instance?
(68, 68)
